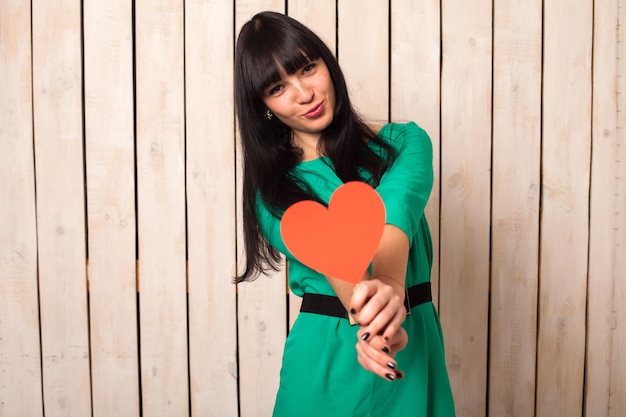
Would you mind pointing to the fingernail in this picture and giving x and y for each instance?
(352, 311)
(391, 365)
(399, 375)
(365, 336)
(390, 377)
(385, 349)
(387, 339)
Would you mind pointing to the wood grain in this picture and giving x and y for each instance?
(367, 74)
(603, 238)
(617, 388)
(58, 129)
(20, 353)
(465, 197)
(210, 171)
(161, 207)
(566, 145)
(110, 162)
(515, 207)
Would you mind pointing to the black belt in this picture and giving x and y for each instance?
(328, 305)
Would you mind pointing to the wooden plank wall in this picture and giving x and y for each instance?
(20, 349)
(516, 180)
(111, 214)
(120, 216)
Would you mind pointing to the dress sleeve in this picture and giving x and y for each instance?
(407, 184)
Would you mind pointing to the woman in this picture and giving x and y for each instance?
(302, 139)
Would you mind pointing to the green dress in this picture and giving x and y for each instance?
(320, 375)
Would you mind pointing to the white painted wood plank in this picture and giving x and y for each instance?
(565, 206)
(20, 361)
(110, 159)
(245, 9)
(415, 89)
(321, 17)
(58, 125)
(161, 207)
(515, 207)
(465, 197)
(602, 234)
(262, 309)
(367, 74)
(262, 332)
(210, 148)
(617, 388)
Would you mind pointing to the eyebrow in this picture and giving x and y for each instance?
(281, 72)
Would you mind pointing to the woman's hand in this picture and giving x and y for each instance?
(377, 305)
(377, 356)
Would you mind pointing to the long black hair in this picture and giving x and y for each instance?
(268, 43)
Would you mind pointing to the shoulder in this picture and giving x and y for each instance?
(395, 129)
(399, 133)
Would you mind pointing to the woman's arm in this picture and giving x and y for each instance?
(377, 304)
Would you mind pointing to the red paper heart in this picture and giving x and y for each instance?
(339, 241)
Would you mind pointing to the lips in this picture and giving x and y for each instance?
(315, 111)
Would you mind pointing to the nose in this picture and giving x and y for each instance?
(305, 93)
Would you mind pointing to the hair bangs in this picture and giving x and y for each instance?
(293, 56)
(274, 56)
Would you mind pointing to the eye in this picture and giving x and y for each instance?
(274, 90)
(309, 67)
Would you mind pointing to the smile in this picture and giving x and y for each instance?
(315, 111)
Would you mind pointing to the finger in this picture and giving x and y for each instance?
(384, 296)
(377, 318)
(361, 293)
(386, 370)
(376, 361)
(375, 327)
(394, 324)
(378, 343)
(372, 309)
(398, 341)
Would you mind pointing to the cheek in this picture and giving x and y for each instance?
(278, 106)
(281, 112)
(330, 89)
(331, 93)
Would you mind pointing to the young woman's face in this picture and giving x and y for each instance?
(304, 101)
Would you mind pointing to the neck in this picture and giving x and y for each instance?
(308, 145)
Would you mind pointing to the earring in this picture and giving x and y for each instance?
(268, 114)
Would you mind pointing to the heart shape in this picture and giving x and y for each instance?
(339, 241)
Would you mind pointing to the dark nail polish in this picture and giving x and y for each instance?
(387, 339)
(385, 349)
(399, 375)
(391, 365)
(365, 336)
(390, 377)
(352, 311)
